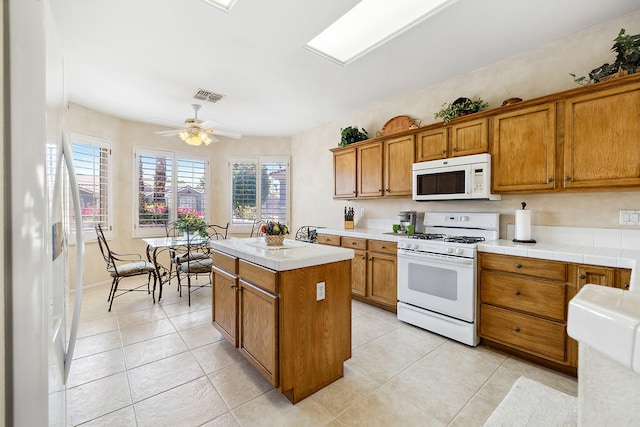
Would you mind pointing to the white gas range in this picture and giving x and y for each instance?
(437, 273)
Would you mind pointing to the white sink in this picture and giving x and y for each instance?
(608, 320)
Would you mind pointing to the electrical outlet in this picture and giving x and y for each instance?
(320, 291)
(628, 217)
(361, 212)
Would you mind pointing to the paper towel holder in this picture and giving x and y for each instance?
(524, 205)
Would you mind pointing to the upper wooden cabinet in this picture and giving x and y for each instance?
(461, 139)
(344, 171)
(602, 145)
(377, 168)
(524, 149)
(399, 155)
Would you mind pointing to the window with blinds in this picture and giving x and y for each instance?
(91, 161)
(169, 185)
(259, 190)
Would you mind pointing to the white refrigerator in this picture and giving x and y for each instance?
(40, 325)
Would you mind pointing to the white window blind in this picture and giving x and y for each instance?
(259, 190)
(91, 161)
(169, 184)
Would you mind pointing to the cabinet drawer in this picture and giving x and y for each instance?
(354, 243)
(541, 337)
(524, 294)
(383, 247)
(329, 239)
(259, 276)
(544, 269)
(225, 262)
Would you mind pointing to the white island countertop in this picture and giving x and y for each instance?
(293, 254)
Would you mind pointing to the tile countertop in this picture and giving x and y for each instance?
(293, 254)
(581, 254)
(594, 255)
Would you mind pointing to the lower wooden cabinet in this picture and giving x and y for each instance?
(523, 304)
(298, 343)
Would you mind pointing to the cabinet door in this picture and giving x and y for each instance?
(603, 276)
(399, 155)
(524, 149)
(382, 278)
(601, 142)
(359, 273)
(470, 138)
(369, 168)
(259, 330)
(344, 171)
(225, 305)
(432, 144)
(623, 278)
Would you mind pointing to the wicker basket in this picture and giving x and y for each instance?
(274, 240)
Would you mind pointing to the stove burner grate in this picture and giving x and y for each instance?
(427, 236)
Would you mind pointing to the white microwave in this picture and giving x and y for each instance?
(456, 178)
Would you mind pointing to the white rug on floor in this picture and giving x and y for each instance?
(530, 403)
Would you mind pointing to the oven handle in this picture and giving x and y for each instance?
(440, 260)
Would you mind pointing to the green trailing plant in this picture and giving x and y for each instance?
(460, 107)
(352, 134)
(627, 49)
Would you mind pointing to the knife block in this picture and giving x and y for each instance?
(348, 224)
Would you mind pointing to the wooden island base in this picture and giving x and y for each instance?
(274, 318)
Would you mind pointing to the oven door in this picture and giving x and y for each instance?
(443, 284)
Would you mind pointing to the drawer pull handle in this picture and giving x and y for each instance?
(516, 329)
(516, 292)
(582, 277)
(518, 265)
(383, 247)
(353, 243)
(625, 286)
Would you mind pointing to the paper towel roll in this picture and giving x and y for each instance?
(523, 224)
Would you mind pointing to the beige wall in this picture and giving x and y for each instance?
(124, 135)
(530, 74)
(2, 238)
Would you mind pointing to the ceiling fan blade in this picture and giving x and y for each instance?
(226, 134)
(169, 132)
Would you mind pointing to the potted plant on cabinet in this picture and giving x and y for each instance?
(352, 134)
(460, 107)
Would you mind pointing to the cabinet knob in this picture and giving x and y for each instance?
(516, 292)
(582, 277)
(516, 329)
(353, 243)
(625, 286)
(549, 180)
(454, 149)
(518, 265)
(231, 286)
(364, 257)
(370, 259)
(444, 151)
(386, 189)
(379, 190)
(383, 247)
(567, 178)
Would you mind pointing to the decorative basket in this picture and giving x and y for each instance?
(274, 240)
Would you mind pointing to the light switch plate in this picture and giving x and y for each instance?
(320, 291)
(629, 217)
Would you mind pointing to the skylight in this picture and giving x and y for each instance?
(370, 24)
(225, 5)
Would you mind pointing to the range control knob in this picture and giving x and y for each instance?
(459, 251)
(449, 250)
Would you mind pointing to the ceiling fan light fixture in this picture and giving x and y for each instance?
(195, 138)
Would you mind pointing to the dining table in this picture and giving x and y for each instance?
(159, 245)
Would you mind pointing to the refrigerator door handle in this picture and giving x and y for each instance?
(77, 208)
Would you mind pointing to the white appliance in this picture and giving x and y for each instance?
(456, 178)
(437, 288)
(39, 338)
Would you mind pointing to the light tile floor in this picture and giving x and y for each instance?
(164, 364)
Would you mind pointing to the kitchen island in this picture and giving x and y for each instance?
(287, 309)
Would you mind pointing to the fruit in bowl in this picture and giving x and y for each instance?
(274, 229)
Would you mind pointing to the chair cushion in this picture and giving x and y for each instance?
(133, 269)
(197, 266)
(190, 256)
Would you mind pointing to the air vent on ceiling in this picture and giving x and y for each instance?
(207, 95)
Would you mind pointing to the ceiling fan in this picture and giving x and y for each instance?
(196, 131)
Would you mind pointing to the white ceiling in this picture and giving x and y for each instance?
(144, 59)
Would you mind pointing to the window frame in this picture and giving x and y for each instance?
(258, 160)
(92, 141)
(142, 232)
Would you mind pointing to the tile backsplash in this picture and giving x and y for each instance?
(614, 238)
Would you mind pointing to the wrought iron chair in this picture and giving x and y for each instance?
(121, 266)
(256, 228)
(196, 260)
(218, 232)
